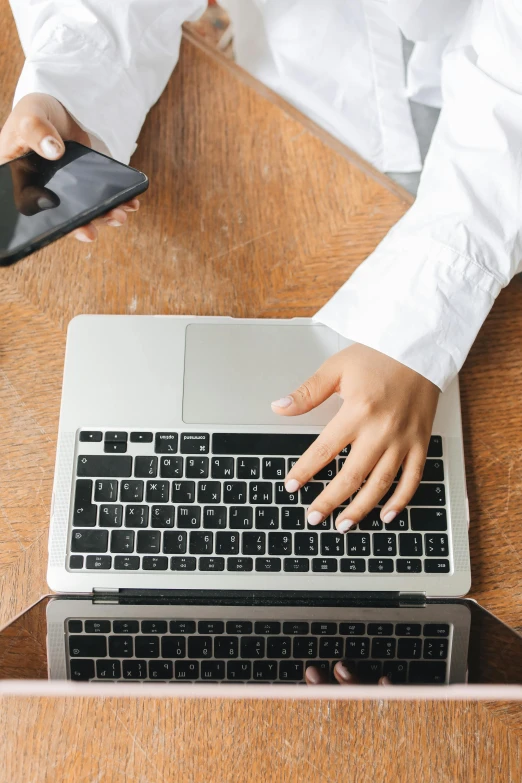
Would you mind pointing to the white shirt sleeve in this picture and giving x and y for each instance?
(424, 293)
(106, 61)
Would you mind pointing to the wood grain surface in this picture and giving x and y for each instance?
(252, 211)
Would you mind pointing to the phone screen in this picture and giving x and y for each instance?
(42, 199)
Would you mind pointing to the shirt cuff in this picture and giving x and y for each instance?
(417, 301)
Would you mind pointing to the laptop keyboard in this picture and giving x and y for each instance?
(246, 651)
(200, 502)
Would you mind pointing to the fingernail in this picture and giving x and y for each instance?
(313, 675)
(284, 402)
(315, 517)
(389, 517)
(292, 485)
(115, 223)
(83, 238)
(345, 525)
(44, 203)
(385, 681)
(343, 672)
(50, 148)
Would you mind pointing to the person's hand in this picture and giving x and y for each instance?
(341, 672)
(40, 123)
(387, 415)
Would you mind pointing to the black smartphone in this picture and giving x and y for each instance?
(42, 200)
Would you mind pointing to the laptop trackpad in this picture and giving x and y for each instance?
(234, 371)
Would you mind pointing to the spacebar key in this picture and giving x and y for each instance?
(261, 443)
(104, 466)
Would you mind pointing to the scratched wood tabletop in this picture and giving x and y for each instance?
(252, 211)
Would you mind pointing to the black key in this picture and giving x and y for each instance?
(89, 436)
(358, 544)
(155, 563)
(399, 523)
(353, 565)
(183, 492)
(182, 563)
(110, 516)
(134, 670)
(436, 629)
(84, 510)
(126, 563)
(324, 629)
(267, 518)
(324, 565)
(108, 670)
(291, 671)
(306, 543)
(436, 545)
(121, 646)
(264, 670)
(187, 670)
(194, 443)
(240, 518)
(76, 561)
(267, 628)
(282, 497)
(209, 492)
(82, 669)
(223, 467)
(292, 518)
(166, 443)
(88, 646)
(214, 517)
(201, 543)
(200, 647)
(248, 468)
(104, 466)
(291, 462)
(410, 544)
(273, 468)
(261, 493)
(435, 447)
(147, 646)
(162, 516)
(196, 467)
(171, 467)
(97, 626)
(146, 467)
(327, 473)
(158, 491)
(253, 646)
(428, 519)
(296, 564)
(305, 647)
(331, 647)
(369, 672)
(125, 626)
(279, 544)
(332, 544)
(268, 564)
(136, 516)
(240, 627)
(433, 470)
(254, 544)
(351, 629)
(161, 670)
(381, 566)
(310, 491)
(211, 563)
(141, 437)
(384, 544)
(189, 517)
(383, 648)
(75, 626)
(409, 648)
(395, 671)
(408, 629)
(322, 666)
(409, 566)
(429, 495)
(436, 566)
(98, 562)
(106, 491)
(116, 437)
(260, 443)
(182, 626)
(279, 647)
(240, 564)
(372, 521)
(227, 543)
(131, 491)
(296, 628)
(173, 646)
(213, 670)
(154, 626)
(380, 629)
(435, 648)
(239, 670)
(89, 540)
(211, 626)
(148, 542)
(122, 541)
(427, 672)
(114, 448)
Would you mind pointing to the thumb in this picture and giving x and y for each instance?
(40, 135)
(321, 385)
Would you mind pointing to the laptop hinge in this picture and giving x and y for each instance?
(412, 599)
(105, 595)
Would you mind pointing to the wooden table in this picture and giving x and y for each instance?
(252, 211)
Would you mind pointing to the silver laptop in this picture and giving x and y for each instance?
(170, 470)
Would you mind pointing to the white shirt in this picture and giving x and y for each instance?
(423, 294)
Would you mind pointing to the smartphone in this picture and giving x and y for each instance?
(42, 200)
